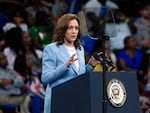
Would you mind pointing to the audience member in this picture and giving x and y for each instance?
(95, 6)
(144, 71)
(94, 28)
(143, 27)
(130, 58)
(41, 32)
(111, 59)
(58, 9)
(13, 45)
(143, 77)
(10, 85)
(117, 29)
(17, 19)
(33, 86)
(29, 50)
(33, 8)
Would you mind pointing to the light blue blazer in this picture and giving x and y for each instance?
(55, 71)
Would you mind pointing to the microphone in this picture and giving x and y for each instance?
(108, 61)
(97, 57)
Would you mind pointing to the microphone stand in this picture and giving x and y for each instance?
(104, 104)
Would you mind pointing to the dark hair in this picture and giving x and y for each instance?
(61, 28)
(13, 39)
(31, 47)
(20, 66)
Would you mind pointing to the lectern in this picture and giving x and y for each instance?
(84, 94)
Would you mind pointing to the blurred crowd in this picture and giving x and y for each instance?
(26, 27)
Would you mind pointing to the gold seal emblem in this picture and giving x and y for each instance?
(116, 92)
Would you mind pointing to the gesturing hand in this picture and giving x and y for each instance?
(72, 59)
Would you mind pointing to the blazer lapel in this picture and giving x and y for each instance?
(64, 53)
(66, 56)
(79, 60)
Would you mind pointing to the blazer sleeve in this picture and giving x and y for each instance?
(50, 72)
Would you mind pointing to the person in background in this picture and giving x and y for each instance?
(32, 52)
(130, 58)
(34, 7)
(143, 77)
(117, 29)
(13, 45)
(96, 6)
(142, 24)
(58, 9)
(17, 18)
(64, 59)
(41, 32)
(32, 84)
(10, 85)
(111, 59)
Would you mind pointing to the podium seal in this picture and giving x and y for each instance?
(116, 92)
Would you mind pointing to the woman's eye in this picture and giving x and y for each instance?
(71, 28)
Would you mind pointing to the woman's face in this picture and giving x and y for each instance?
(131, 43)
(71, 32)
(145, 12)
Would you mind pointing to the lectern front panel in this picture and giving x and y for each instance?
(84, 94)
